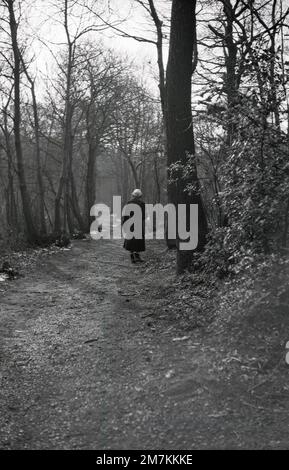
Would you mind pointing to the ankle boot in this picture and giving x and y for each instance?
(138, 258)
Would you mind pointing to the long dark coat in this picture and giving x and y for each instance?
(135, 244)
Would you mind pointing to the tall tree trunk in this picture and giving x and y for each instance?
(26, 203)
(90, 183)
(133, 171)
(75, 205)
(11, 202)
(67, 150)
(125, 179)
(161, 68)
(12, 217)
(38, 152)
(64, 183)
(180, 136)
(157, 181)
(272, 50)
(57, 206)
(38, 162)
(231, 84)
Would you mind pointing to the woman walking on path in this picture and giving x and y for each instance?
(136, 245)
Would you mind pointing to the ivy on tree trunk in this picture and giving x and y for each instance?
(182, 62)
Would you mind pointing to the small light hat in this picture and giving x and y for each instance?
(137, 193)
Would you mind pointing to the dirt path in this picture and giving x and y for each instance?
(86, 363)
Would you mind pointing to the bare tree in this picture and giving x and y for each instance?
(99, 77)
(6, 145)
(66, 188)
(36, 126)
(26, 204)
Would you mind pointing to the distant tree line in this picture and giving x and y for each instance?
(55, 127)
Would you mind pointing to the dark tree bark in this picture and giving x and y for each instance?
(75, 209)
(180, 136)
(11, 206)
(68, 138)
(231, 83)
(232, 77)
(57, 207)
(26, 202)
(64, 187)
(38, 150)
(159, 45)
(90, 183)
(157, 182)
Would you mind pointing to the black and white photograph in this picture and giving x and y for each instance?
(144, 231)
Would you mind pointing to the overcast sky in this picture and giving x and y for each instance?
(44, 19)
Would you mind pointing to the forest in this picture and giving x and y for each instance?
(209, 126)
(180, 102)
